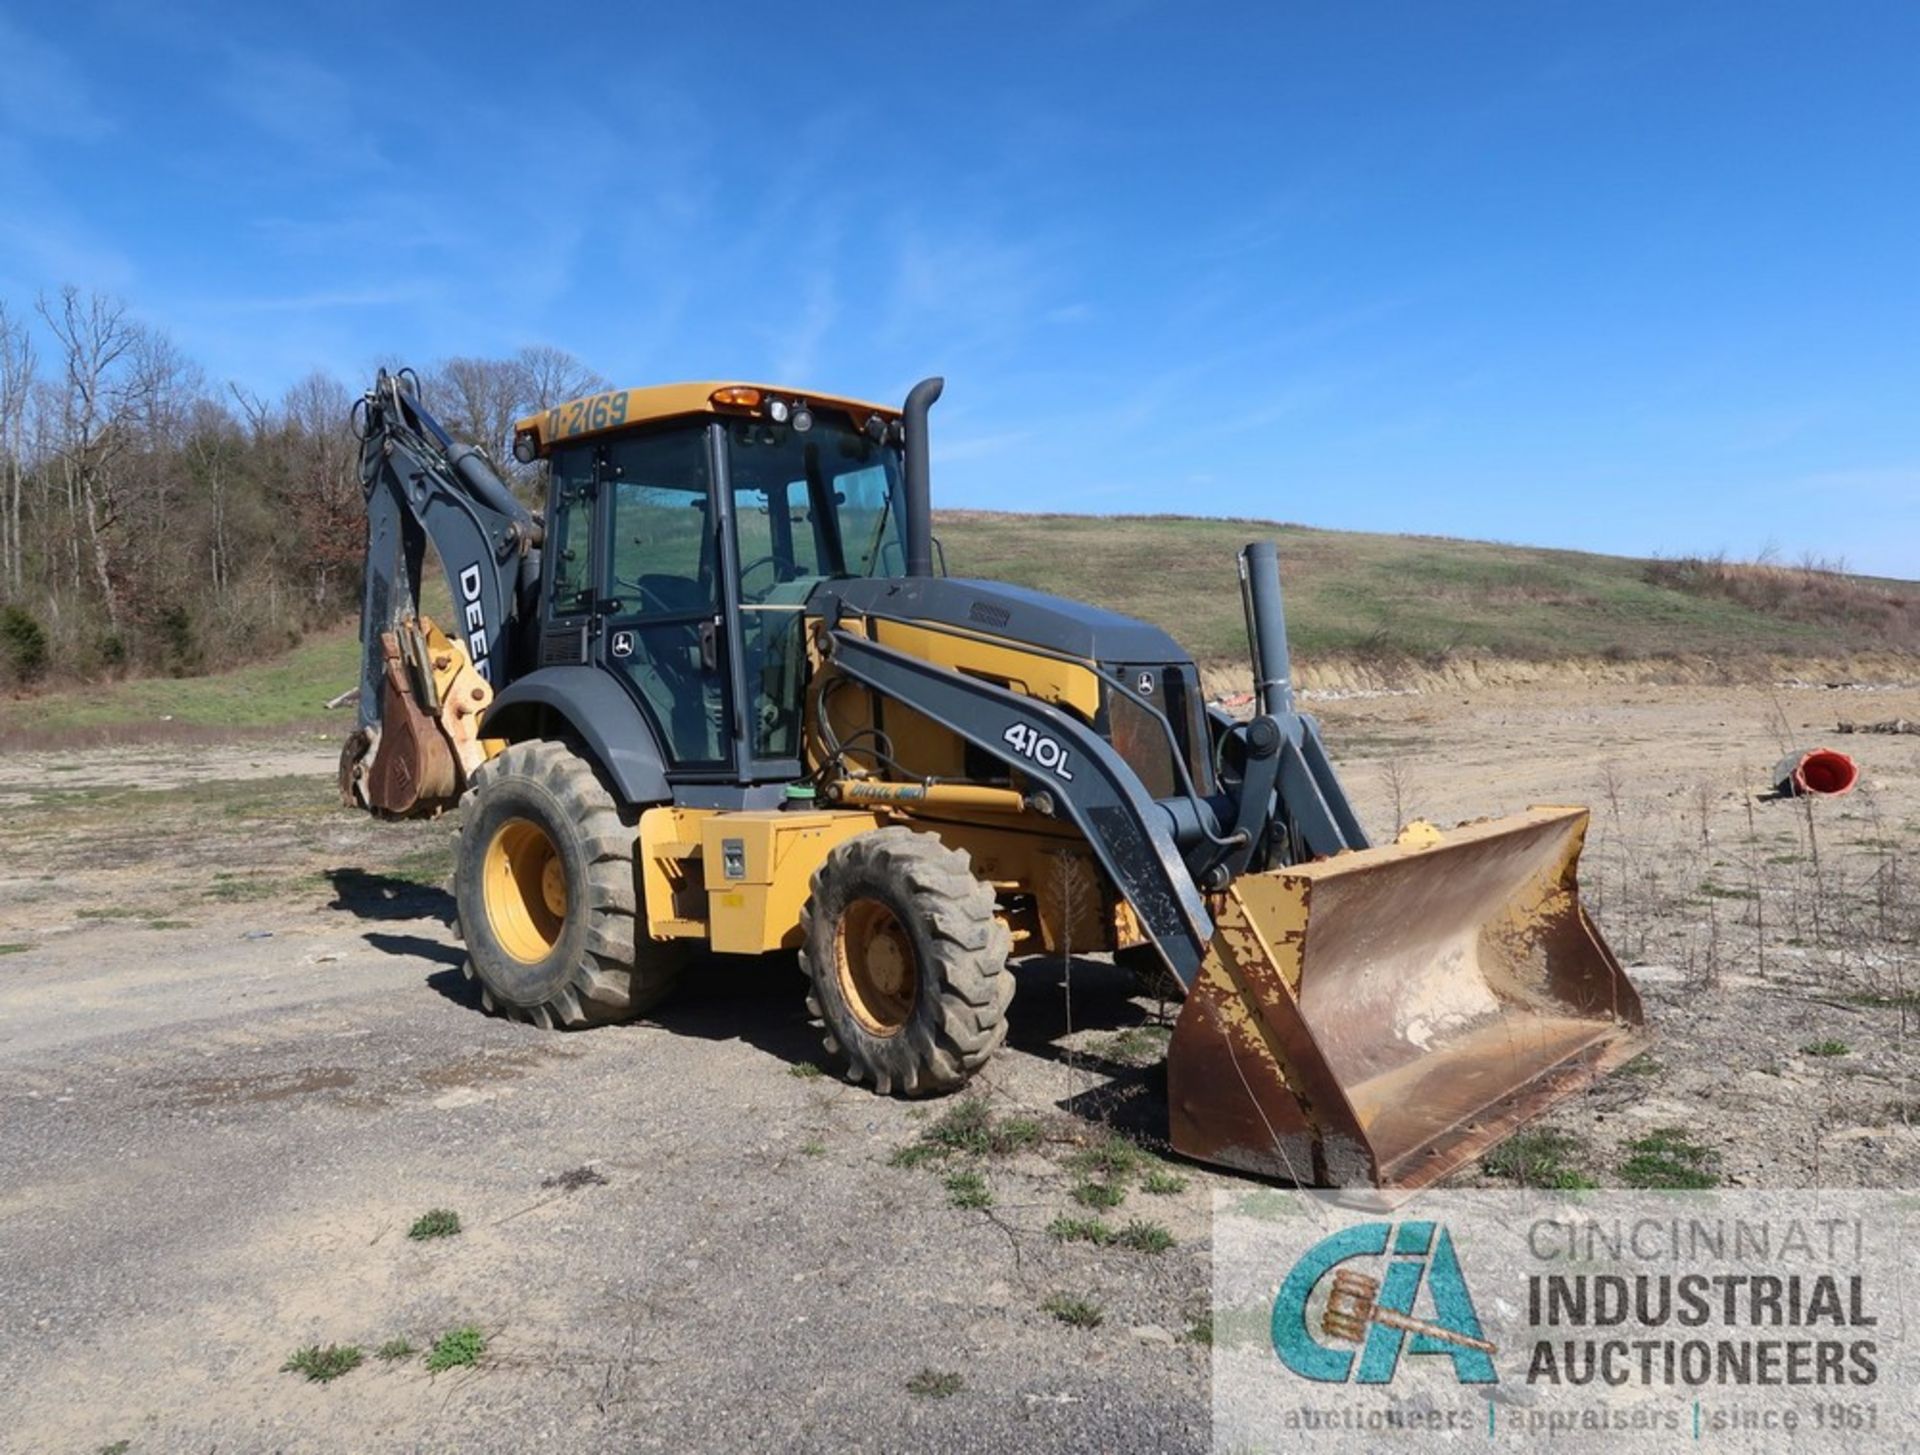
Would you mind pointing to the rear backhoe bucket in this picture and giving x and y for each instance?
(1382, 1017)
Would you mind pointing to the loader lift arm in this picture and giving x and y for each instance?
(1162, 854)
(1131, 835)
(421, 485)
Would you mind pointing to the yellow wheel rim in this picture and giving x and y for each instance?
(526, 890)
(879, 978)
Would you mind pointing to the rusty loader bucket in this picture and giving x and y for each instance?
(1381, 1017)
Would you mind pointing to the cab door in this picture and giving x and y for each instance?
(663, 593)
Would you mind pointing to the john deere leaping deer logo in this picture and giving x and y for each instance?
(1377, 1314)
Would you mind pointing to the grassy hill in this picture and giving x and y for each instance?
(1422, 596)
(1376, 597)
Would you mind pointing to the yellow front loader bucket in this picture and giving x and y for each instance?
(1381, 1017)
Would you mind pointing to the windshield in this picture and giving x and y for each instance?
(823, 502)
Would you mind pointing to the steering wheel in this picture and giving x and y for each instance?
(755, 565)
(650, 599)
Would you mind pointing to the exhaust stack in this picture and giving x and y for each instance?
(1266, 628)
(919, 473)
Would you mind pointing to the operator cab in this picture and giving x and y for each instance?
(681, 551)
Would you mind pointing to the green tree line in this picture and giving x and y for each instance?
(151, 521)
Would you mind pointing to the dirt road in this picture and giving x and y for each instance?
(238, 1060)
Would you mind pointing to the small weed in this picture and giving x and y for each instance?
(118, 1447)
(968, 1189)
(1112, 1158)
(1135, 1046)
(323, 1365)
(1099, 1194)
(395, 1349)
(1826, 1048)
(1231, 1328)
(934, 1384)
(572, 1180)
(439, 1222)
(1267, 1205)
(1900, 1000)
(1015, 1133)
(456, 1350)
(1162, 1183)
(240, 888)
(1646, 1064)
(1144, 1237)
(169, 924)
(916, 1154)
(1668, 1159)
(805, 1071)
(1077, 1313)
(1080, 1230)
(428, 868)
(971, 1129)
(965, 1127)
(1721, 891)
(111, 912)
(14, 949)
(1539, 1159)
(813, 1149)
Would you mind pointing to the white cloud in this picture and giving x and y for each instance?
(43, 92)
(300, 103)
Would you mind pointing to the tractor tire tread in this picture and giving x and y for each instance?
(966, 941)
(617, 974)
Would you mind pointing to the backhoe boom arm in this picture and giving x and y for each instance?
(423, 486)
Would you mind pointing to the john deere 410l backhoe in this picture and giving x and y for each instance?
(719, 698)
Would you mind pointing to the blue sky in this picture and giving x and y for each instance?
(1628, 277)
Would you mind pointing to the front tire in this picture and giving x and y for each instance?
(908, 962)
(547, 894)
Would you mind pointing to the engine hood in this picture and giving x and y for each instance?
(1011, 613)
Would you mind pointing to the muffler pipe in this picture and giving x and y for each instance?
(1266, 628)
(919, 476)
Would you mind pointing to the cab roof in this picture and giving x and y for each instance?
(616, 409)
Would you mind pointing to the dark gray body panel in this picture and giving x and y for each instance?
(1021, 616)
(591, 703)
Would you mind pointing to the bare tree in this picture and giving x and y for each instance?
(16, 388)
(325, 500)
(478, 400)
(553, 376)
(481, 400)
(148, 522)
(95, 339)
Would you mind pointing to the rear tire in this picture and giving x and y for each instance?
(908, 962)
(547, 894)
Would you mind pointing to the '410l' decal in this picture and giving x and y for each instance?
(1039, 747)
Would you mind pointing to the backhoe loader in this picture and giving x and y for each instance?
(721, 696)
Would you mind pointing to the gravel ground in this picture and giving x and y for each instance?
(238, 1059)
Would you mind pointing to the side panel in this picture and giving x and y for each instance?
(759, 870)
(1034, 674)
(600, 711)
